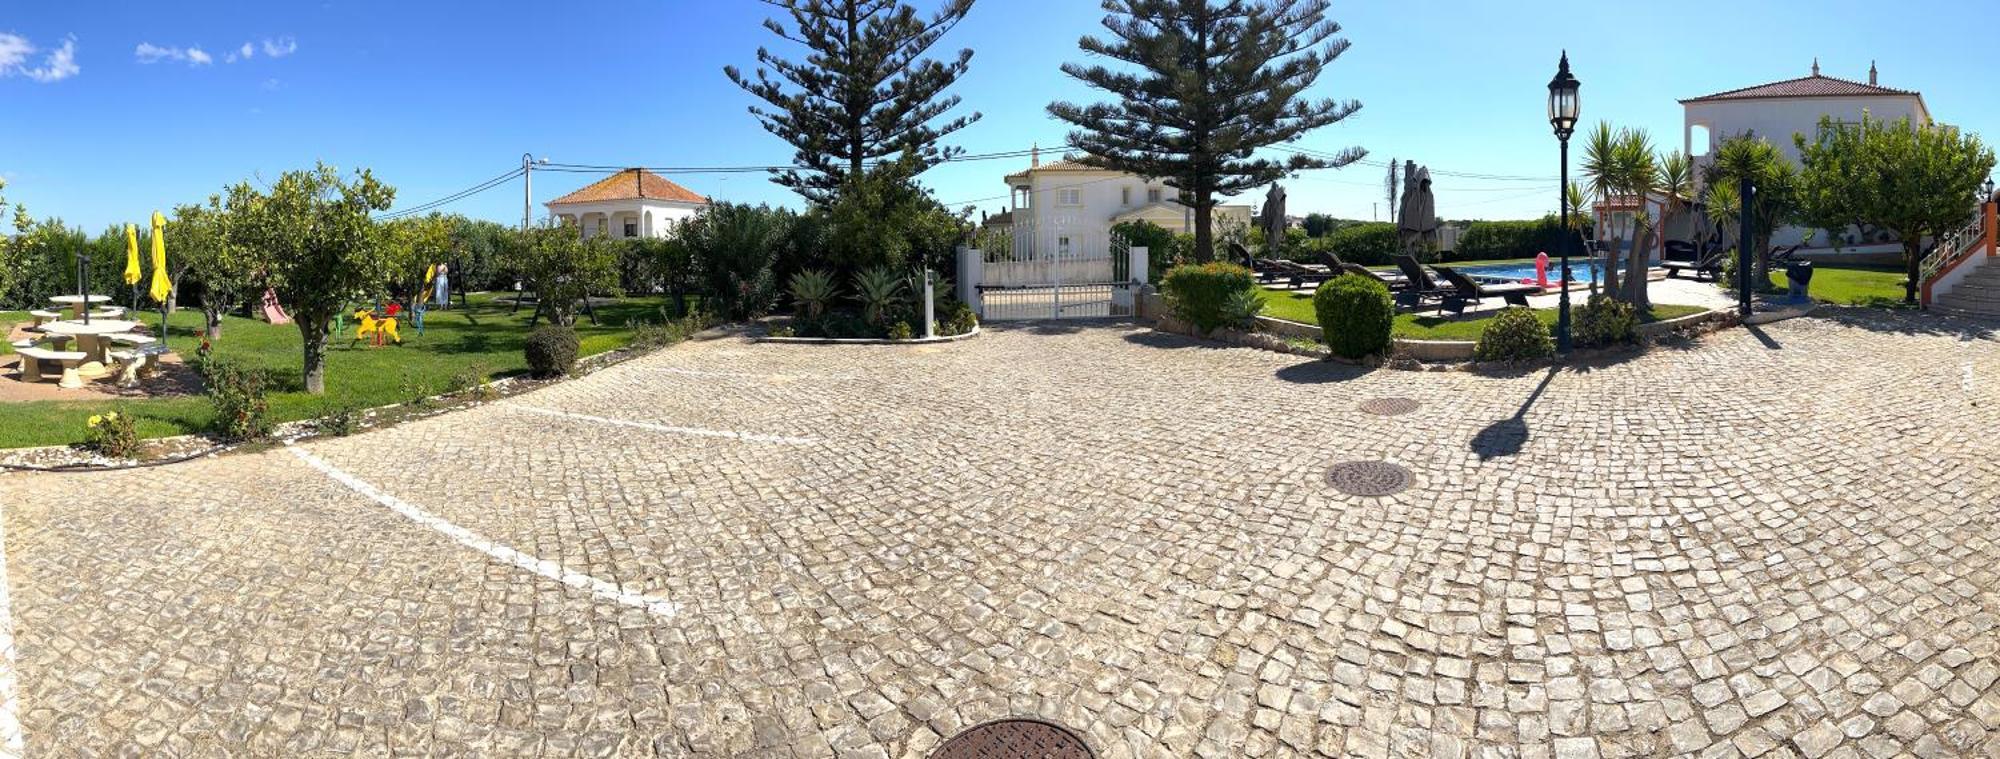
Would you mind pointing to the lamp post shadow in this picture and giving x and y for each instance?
(1508, 436)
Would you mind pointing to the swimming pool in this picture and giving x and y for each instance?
(1526, 271)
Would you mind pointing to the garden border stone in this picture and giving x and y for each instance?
(867, 340)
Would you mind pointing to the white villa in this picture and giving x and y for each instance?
(1778, 110)
(630, 203)
(1068, 208)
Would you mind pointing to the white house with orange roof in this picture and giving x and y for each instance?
(1778, 110)
(630, 203)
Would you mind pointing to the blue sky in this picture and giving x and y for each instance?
(97, 129)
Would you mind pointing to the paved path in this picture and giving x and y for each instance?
(1780, 542)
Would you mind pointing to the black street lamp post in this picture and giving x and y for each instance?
(1563, 108)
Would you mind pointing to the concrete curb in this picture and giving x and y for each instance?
(866, 340)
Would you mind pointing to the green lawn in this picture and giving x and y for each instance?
(1421, 326)
(1853, 285)
(460, 344)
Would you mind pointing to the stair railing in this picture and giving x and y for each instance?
(1954, 247)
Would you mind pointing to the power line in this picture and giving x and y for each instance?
(452, 198)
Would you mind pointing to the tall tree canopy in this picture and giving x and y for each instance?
(312, 237)
(1215, 81)
(1918, 180)
(864, 91)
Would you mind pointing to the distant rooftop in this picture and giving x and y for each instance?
(631, 184)
(1812, 86)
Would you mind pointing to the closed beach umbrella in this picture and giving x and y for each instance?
(161, 287)
(131, 256)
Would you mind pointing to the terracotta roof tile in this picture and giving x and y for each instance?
(1803, 87)
(631, 184)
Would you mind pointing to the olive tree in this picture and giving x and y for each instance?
(1917, 180)
(562, 268)
(312, 236)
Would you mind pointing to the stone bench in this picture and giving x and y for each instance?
(128, 338)
(33, 358)
(42, 317)
(108, 312)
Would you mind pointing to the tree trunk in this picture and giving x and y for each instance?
(314, 330)
(1204, 228)
(212, 321)
(1609, 277)
(1912, 267)
(1636, 280)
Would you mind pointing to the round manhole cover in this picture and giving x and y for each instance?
(1015, 739)
(1368, 478)
(1389, 406)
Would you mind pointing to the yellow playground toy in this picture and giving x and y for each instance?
(376, 330)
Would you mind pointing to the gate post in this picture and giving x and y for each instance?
(930, 301)
(1141, 259)
(970, 261)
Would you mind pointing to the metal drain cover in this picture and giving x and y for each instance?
(1015, 739)
(1372, 479)
(1390, 406)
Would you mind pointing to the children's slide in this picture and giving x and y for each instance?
(273, 312)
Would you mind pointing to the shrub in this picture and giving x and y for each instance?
(237, 396)
(1242, 308)
(112, 434)
(811, 290)
(551, 351)
(783, 330)
(1369, 244)
(339, 421)
(1355, 315)
(1158, 242)
(879, 290)
(1200, 295)
(1605, 321)
(901, 331)
(957, 318)
(1508, 239)
(1514, 335)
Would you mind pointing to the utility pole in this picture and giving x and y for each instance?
(528, 162)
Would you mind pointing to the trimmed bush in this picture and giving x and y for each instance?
(1604, 321)
(1370, 244)
(1355, 315)
(551, 351)
(957, 318)
(1200, 295)
(1514, 335)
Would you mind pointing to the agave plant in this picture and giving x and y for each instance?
(881, 288)
(813, 289)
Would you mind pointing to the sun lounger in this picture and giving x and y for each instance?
(1394, 282)
(1708, 264)
(1471, 291)
(1422, 287)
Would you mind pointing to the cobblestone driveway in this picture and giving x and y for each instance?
(1780, 542)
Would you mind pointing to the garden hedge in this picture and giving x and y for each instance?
(1355, 314)
(1200, 295)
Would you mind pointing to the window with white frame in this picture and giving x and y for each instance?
(1124, 196)
(631, 229)
(1069, 196)
(1062, 246)
(1152, 194)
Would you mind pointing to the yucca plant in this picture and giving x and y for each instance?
(880, 288)
(813, 289)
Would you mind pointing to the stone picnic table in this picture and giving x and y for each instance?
(90, 339)
(77, 303)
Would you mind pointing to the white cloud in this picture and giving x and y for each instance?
(59, 64)
(273, 47)
(148, 52)
(278, 47)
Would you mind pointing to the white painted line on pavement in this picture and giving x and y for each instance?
(12, 743)
(549, 569)
(695, 431)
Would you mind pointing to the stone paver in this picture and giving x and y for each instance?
(1773, 543)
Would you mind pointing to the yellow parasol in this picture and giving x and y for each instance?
(161, 287)
(131, 256)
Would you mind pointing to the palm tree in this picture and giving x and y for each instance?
(1638, 174)
(1724, 209)
(1600, 175)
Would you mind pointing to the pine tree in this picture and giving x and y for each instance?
(1216, 81)
(863, 93)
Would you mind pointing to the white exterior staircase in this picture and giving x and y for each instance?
(1961, 275)
(1975, 293)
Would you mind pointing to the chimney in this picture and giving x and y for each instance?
(1815, 65)
(1871, 72)
(1034, 156)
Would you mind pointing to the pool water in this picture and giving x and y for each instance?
(1526, 271)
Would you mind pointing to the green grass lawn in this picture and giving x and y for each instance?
(464, 345)
(1853, 285)
(1423, 326)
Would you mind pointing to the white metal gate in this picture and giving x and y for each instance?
(1065, 277)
